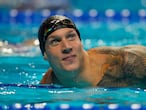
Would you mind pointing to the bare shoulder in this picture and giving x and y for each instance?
(106, 50)
(47, 78)
(111, 59)
(109, 55)
(135, 60)
(135, 46)
(137, 49)
(122, 66)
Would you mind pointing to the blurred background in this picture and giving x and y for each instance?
(101, 22)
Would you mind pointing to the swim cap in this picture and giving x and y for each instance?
(50, 25)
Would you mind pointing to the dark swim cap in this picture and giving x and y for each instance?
(50, 25)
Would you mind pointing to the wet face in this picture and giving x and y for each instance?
(63, 50)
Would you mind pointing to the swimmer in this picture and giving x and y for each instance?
(73, 66)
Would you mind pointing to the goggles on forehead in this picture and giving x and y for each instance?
(56, 24)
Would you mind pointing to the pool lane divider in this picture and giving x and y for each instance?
(31, 16)
(53, 86)
(65, 106)
(32, 86)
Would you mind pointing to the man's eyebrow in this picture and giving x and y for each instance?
(70, 31)
(52, 36)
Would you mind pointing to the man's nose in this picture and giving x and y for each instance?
(67, 50)
(66, 47)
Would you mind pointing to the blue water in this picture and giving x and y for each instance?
(19, 83)
(22, 67)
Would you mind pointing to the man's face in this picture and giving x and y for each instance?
(63, 50)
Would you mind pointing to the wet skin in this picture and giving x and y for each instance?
(72, 66)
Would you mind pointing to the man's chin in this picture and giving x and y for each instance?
(70, 69)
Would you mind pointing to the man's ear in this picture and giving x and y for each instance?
(45, 56)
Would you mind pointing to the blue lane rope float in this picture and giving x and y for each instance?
(65, 106)
(32, 86)
(30, 16)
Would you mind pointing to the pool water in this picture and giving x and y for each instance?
(22, 67)
(19, 85)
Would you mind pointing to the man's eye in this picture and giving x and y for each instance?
(71, 36)
(54, 42)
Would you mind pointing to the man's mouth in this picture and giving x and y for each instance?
(69, 58)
